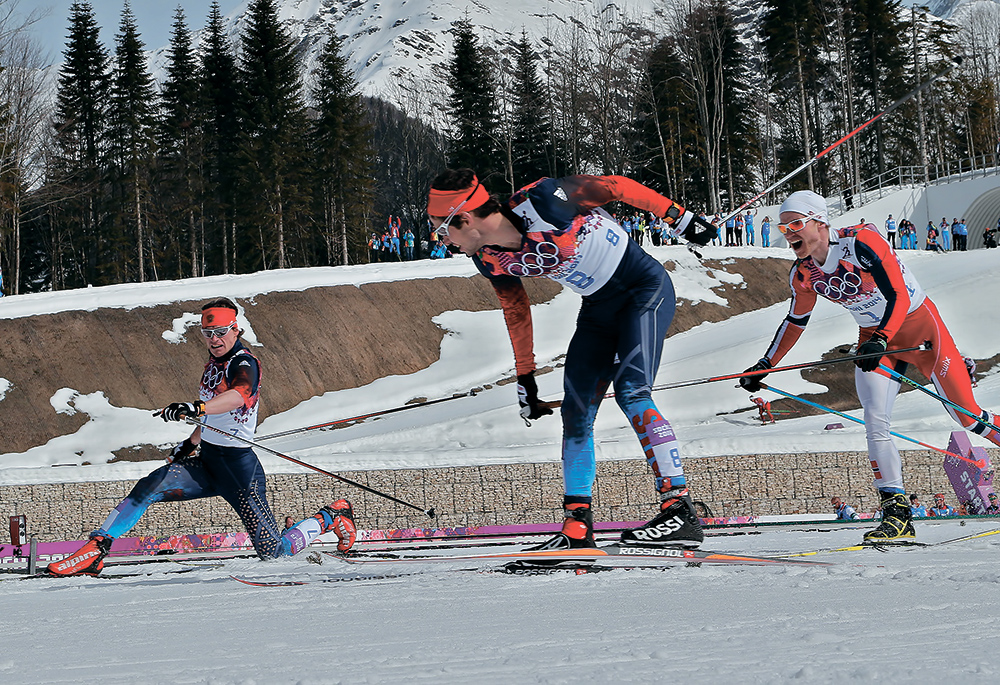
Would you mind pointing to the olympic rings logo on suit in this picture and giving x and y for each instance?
(544, 258)
(839, 289)
(213, 376)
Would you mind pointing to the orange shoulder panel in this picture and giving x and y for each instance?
(595, 191)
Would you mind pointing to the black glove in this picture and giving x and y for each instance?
(875, 345)
(527, 397)
(699, 231)
(176, 411)
(752, 383)
(182, 451)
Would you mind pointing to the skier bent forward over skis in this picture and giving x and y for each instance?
(555, 228)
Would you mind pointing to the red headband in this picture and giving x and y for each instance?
(216, 317)
(444, 202)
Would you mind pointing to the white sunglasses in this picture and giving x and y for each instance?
(442, 230)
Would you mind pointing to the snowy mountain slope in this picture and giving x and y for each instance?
(397, 45)
(950, 9)
(398, 48)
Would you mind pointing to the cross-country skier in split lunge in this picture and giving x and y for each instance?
(554, 228)
(856, 268)
(228, 395)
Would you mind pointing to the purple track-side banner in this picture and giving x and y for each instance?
(973, 483)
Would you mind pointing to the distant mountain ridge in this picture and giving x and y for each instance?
(398, 44)
(395, 45)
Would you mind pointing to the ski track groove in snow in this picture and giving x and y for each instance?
(908, 615)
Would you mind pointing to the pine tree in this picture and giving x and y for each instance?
(181, 141)
(711, 89)
(274, 129)
(740, 128)
(74, 173)
(668, 126)
(875, 45)
(531, 150)
(343, 156)
(220, 104)
(793, 32)
(472, 108)
(25, 112)
(980, 78)
(132, 115)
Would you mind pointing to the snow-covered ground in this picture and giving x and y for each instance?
(907, 615)
(912, 615)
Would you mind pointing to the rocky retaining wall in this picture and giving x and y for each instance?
(495, 495)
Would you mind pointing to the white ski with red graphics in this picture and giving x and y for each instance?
(608, 556)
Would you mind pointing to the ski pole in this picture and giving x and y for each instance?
(745, 374)
(944, 400)
(361, 417)
(789, 367)
(859, 129)
(429, 512)
(979, 464)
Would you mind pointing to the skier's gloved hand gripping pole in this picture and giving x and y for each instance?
(750, 380)
(758, 371)
(692, 228)
(186, 416)
(527, 398)
(834, 146)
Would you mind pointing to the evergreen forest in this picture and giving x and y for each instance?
(239, 158)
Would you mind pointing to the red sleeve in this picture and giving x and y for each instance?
(517, 314)
(244, 377)
(594, 191)
(790, 330)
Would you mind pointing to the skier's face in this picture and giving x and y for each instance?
(220, 346)
(804, 235)
(462, 233)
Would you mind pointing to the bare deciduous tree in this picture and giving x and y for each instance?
(23, 118)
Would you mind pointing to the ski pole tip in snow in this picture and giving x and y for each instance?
(430, 513)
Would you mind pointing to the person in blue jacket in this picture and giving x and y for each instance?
(940, 508)
(215, 463)
(844, 511)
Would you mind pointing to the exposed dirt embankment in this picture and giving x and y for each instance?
(313, 341)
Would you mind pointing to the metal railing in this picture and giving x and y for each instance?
(876, 187)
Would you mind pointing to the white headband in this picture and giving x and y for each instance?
(806, 203)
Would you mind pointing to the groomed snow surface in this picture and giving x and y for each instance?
(907, 615)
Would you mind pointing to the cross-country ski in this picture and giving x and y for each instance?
(622, 556)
